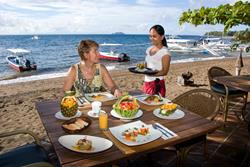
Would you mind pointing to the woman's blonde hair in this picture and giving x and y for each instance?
(85, 46)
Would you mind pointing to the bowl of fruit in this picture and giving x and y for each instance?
(126, 106)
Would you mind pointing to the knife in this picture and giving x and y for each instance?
(162, 129)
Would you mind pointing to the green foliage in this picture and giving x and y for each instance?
(243, 36)
(228, 15)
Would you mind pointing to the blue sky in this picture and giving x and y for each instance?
(100, 16)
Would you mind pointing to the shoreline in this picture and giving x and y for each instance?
(14, 79)
(17, 100)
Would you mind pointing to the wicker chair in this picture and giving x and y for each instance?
(204, 103)
(30, 155)
(225, 93)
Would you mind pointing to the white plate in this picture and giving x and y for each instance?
(176, 115)
(92, 114)
(137, 115)
(59, 115)
(142, 98)
(140, 139)
(106, 96)
(98, 143)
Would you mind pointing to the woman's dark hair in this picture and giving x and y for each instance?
(160, 30)
(85, 46)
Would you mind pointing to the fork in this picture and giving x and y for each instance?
(80, 100)
(165, 132)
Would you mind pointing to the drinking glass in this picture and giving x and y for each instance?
(103, 120)
(96, 107)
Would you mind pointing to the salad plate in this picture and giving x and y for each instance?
(177, 114)
(135, 133)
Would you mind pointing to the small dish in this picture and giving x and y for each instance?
(176, 115)
(92, 114)
(76, 125)
(59, 115)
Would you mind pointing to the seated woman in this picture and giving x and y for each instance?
(88, 75)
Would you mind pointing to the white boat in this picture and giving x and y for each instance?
(35, 37)
(177, 44)
(216, 43)
(18, 61)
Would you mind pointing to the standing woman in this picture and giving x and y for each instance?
(89, 75)
(157, 58)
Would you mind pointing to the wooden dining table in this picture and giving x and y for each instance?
(189, 127)
(241, 82)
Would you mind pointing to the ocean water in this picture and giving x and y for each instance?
(54, 54)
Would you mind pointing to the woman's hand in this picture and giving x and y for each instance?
(117, 93)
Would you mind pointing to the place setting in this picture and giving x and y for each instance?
(86, 143)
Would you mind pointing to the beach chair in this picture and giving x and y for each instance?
(29, 155)
(225, 93)
(204, 103)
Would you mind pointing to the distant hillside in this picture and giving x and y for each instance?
(220, 33)
(118, 33)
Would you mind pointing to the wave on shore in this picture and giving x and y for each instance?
(39, 77)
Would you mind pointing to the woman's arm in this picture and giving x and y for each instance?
(165, 66)
(108, 81)
(70, 79)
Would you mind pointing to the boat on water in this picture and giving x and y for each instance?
(35, 37)
(120, 57)
(18, 61)
(177, 44)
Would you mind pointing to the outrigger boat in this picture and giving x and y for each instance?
(19, 62)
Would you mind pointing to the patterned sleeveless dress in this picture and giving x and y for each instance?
(82, 85)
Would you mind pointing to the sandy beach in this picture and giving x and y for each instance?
(17, 101)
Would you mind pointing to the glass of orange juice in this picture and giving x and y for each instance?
(103, 120)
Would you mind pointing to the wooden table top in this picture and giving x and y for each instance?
(188, 127)
(239, 82)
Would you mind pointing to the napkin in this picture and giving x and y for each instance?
(171, 133)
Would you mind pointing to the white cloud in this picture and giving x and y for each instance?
(82, 17)
(85, 16)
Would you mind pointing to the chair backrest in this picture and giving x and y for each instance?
(216, 72)
(200, 101)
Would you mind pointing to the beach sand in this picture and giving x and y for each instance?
(17, 101)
